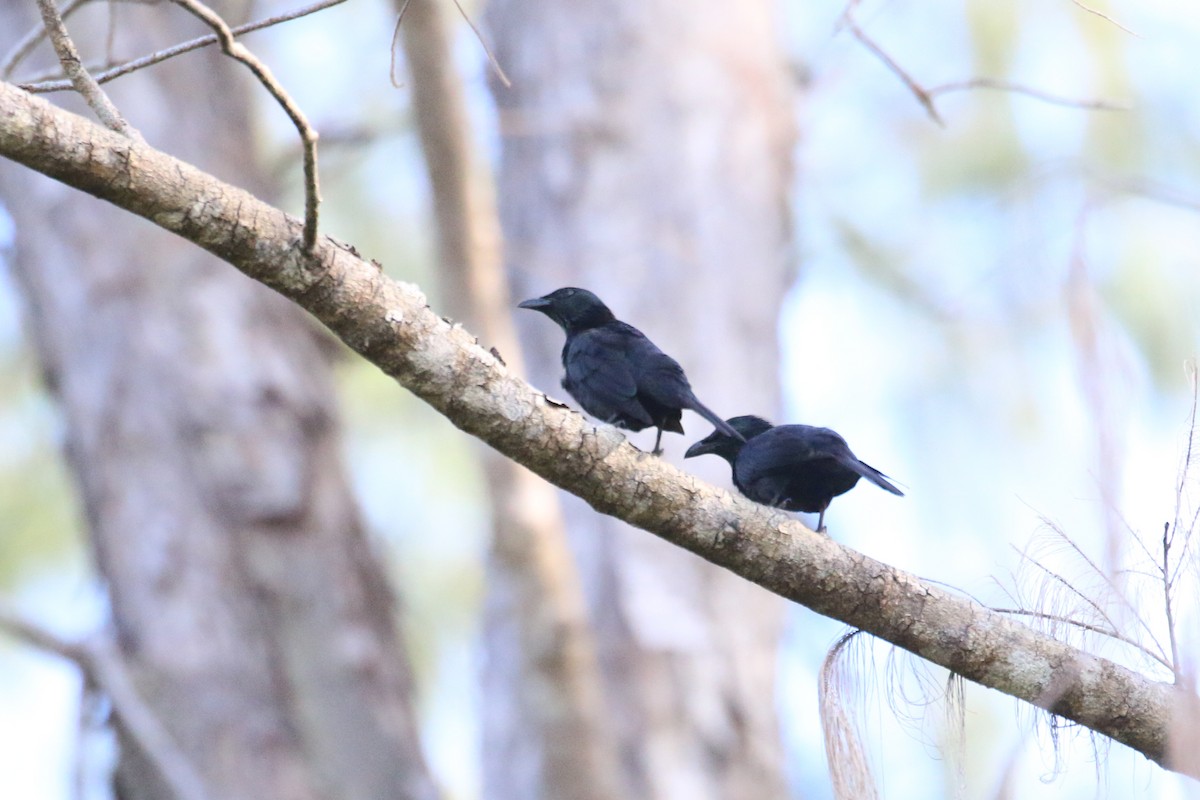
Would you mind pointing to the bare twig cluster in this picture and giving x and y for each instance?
(1111, 603)
(80, 78)
(1089, 601)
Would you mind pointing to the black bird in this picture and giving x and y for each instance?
(615, 373)
(793, 467)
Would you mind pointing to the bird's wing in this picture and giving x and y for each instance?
(600, 375)
(785, 446)
(830, 442)
(657, 376)
(797, 467)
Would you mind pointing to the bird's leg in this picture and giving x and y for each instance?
(657, 451)
(821, 521)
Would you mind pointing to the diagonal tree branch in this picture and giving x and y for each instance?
(391, 325)
(98, 658)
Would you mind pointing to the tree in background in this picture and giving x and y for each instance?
(201, 430)
(646, 156)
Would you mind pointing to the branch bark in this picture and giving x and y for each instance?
(390, 324)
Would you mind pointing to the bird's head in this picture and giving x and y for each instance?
(574, 309)
(726, 446)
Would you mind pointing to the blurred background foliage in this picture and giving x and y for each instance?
(984, 310)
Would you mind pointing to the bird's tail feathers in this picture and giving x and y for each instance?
(718, 423)
(878, 478)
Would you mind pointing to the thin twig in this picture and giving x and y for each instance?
(1092, 603)
(1115, 590)
(1182, 561)
(308, 135)
(1009, 594)
(1087, 626)
(100, 662)
(51, 80)
(952, 588)
(491, 56)
(1105, 17)
(926, 96)
(923, 97)
(1168, 605)
(1108, 582)
(21, 50)
(36, 85)
(1185, 471)
(1017, 88)
(81, 79)
(1150, 557)
(395, 40)
(492, 60)
(1067, 584)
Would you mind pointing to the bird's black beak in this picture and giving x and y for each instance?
(536, 303)
(700, 448)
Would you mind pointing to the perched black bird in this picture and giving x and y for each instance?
(615, 372)
(793, 467)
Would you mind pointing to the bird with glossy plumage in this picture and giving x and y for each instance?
(793, 467)
(615, 372)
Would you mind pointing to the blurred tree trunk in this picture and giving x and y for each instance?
(200, 425)
(545, 732)
(646, 155)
